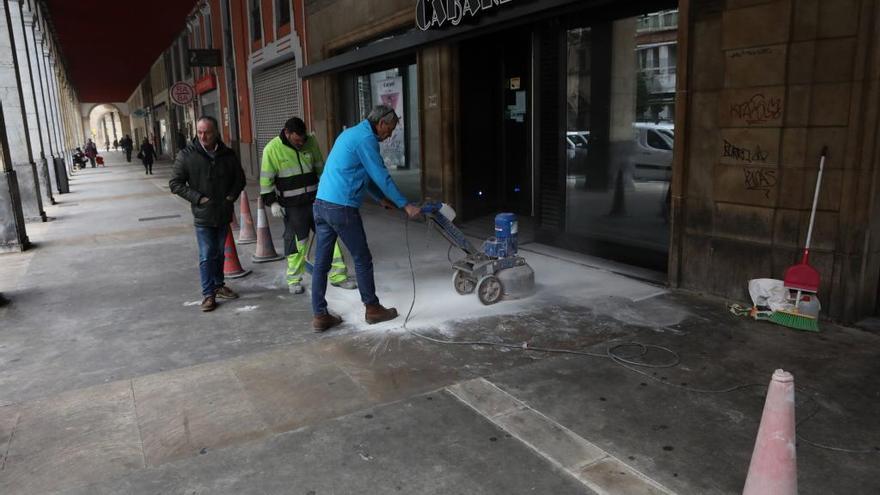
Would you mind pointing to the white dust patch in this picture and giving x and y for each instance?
(439, 307)
(244, 309)
(192, 303)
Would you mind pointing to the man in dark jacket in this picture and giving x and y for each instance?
(127, 145)
(208, 175)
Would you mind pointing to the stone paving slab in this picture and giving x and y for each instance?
(182, 412)
(580, 458)
(75, 438)
(430, 445)
(293, 387)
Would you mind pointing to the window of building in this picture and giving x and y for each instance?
(184, 46)
(175, 63)
(256, 21)
(209, 35)
(621, 94)
(397, 88)
(282, 8)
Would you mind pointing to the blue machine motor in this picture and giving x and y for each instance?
(504, 242)
(496, 271)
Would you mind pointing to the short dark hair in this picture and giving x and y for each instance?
(296, 126)
(211, 120)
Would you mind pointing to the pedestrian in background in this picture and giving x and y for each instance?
(208, 175)
(127, 146)
(115, 145)
(147, 154)
(91, 151)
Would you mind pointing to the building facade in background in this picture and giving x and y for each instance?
(253, 87)
(679, 137)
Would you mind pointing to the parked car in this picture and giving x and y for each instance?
(652, 154)
(577, 147)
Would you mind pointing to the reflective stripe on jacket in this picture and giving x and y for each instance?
(288, 175)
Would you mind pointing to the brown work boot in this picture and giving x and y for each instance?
(226, 293)
(322, 323)
(376, 313)
(209, 304)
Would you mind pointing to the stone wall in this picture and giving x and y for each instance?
(771, 83)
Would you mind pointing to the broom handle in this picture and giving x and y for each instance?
(816, 197)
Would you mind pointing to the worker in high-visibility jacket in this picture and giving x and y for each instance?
(289, 173)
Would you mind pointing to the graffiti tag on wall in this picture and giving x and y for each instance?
(759, 179)
(758, 109)
(731, 150)
(750, 52)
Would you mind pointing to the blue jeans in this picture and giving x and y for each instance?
(212, 254)
(334, 221)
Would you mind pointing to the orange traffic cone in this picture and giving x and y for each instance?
(246, 235)
(773, 469)
(231, 266)
(265, 248)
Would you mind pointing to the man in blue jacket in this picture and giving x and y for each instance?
(353, 167)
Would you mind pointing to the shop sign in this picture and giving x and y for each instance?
(182, 93)
(140, 112)
(206, 83)
(437, 13)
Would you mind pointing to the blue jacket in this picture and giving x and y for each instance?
(354, 166)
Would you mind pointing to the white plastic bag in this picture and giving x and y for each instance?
(769, 292)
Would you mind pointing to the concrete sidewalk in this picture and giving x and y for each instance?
(113, 381)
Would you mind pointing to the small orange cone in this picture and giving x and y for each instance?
(773, 470)
(247, 234)
(231, 266)
(265, 248)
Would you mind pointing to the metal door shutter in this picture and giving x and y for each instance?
(551, 174)
(276, 99)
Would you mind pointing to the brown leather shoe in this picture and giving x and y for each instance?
(376, 313)
(226, 293)
(322, 323)
(209, 304)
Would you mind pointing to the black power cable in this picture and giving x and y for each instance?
(613, 353)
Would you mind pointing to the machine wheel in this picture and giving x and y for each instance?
(489, 290)
(463, 285)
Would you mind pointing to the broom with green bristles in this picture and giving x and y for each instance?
(796, 320)
(802, 277)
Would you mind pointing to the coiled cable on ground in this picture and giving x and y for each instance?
(614, 353)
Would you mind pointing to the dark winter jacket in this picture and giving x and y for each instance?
(196, 175)
(148, 154)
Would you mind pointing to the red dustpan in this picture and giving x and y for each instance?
(802, 276)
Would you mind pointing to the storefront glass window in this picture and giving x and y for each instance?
(620, 94)
(397, 88)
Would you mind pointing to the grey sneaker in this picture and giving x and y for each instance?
(296, 288)
(345, 284)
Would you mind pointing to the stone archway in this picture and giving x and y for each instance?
(105, 122)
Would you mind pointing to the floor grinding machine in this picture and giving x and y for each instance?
(495, 272)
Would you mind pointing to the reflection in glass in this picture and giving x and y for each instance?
(620, 95)
(397, 89)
